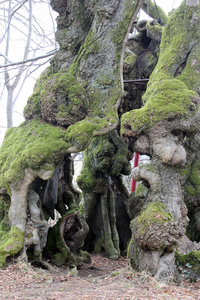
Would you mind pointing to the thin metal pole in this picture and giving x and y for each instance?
(136, 81)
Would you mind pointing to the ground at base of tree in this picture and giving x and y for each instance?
(102, 279)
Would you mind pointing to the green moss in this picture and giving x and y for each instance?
(140, 189)
(32, 108)
(90, 46)
(156, 213)
(120, 163)
(167, 99)
(89, 180)
(193, 181)
(119, 33)
(191, 173)
(130, 59)
(4, 220)
(59, 259)
(130, 256)
(32, 145)
(190, 189)
(11, 244)
(69, 199)
(192, 258)
(36, 145)
(166, 96)
(42, 78)
(98, 245)
(105, 80)
(102, 102)
(55, 249)
(86, 257)
(81, 133)
(106, 154)
(116, 273)
(178, 39)
(154, 31)
(62, 85)
(29, 235)
(189, 265)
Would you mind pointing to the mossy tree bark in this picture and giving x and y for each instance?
(104, 195)
(166, 129)
(81, 97)
(75, 99)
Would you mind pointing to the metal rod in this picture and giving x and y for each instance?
(137, 80)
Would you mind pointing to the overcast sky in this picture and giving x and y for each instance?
(168, 5)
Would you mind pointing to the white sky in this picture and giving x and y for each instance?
(168, 5)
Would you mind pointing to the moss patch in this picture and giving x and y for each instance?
(189, 265)
(90, 46)
(166, 96)
(60, 98)
(106, 155)
(11, 244)
(55, 248)
(156, 213)
(141, 190)
(119, 33)
(32, 145)
(130, 58)
(4, 220)
(192, 173)
(169, 99)
(89, 180)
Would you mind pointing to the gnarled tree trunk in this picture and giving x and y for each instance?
(75, 99)
(165, 128)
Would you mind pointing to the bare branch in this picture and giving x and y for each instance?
(27, 45)
(30, 59)
(6, 75)
(10, 18)
(1, 54)
(28, 74)
(52, 20)
(11, 110)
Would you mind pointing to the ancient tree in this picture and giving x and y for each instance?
(75, 99)
(167, 129)
(84, 101)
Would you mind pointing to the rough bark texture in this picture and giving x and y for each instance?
(104, 203)
(166, 129)
(75, 99)
(81, 102)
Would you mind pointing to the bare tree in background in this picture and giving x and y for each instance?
(21, 28)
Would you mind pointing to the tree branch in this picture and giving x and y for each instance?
(26, 51)
(10, 18)
(29, 60)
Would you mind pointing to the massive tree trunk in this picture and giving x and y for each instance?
(166, 129)
(82, 96)
(75, 99)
